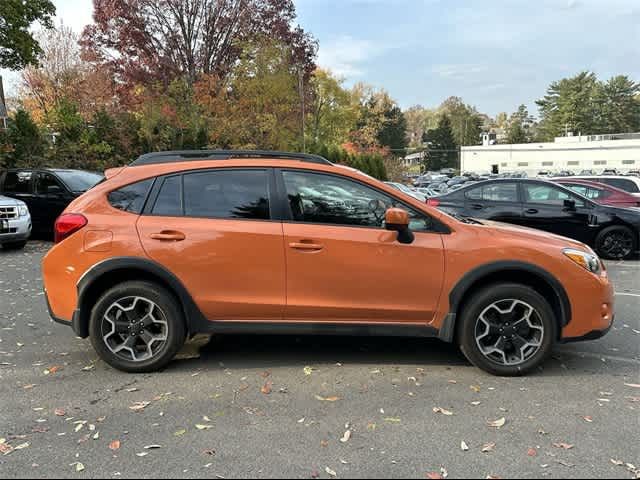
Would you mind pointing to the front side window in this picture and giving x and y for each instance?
(231, 194)
(48, 184)
(328, 199)
(548, 194)
(132, 197)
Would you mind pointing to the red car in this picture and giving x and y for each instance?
(601, 193)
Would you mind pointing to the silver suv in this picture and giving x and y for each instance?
(15, 223)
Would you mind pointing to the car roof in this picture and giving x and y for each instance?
(591, 183)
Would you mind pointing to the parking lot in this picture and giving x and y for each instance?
(251, 406)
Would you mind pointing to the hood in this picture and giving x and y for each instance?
(525, 233)
(9, 202)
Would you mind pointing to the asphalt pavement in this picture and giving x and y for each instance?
(310, 407)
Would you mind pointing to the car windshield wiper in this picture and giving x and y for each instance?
(467, 220)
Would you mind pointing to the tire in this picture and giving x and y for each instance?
(617, 233)
(481, 305)
(168, 325)
(14, 245)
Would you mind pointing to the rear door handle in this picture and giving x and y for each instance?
(306, 246)
(166, 236)
(477, 206)
(532, 211)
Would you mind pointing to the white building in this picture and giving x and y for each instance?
(574, 153)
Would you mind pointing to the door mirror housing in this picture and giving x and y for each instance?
(397, 220)
(570, 206)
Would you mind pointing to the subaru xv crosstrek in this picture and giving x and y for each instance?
(181, 243)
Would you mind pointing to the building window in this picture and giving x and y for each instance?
(504, 165)
(573, 163)
(628, 162)
(523, 164)
(547, 164)
(600, 162)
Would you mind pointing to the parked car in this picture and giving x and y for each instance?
(633, 173)
(587, 173)
(46, 192)
(601, 193)
(182, 243)
(613, 232)
(15, 223)
(407, 190)
(610, 171)
(628, 184)
(427, 192)
(545, 174)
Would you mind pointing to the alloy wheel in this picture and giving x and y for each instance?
(617, 244)
(134, 329)
(509, 332)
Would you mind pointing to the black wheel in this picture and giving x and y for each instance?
(137, 327)
(14, 245)
(616, 243)
(507, 329)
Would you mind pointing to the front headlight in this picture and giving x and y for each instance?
(23, 210)
(588, 261)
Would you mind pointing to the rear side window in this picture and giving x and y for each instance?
(18, 182)
(231, 194)
(621, 183)
(132, 197)
(169, 201)
(496, 192)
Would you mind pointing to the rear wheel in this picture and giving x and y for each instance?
(137, 327)
(14, 245)
(616, 243)
(507, 329)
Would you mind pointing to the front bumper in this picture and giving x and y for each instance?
(20, 229)
(592, 335)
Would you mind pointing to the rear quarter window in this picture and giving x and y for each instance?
(622, 183)
(131, 198)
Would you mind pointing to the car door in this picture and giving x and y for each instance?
(545, 208)
(214, 230)
(18, 184)
(50, 199)
(343, 266)
(498, 201)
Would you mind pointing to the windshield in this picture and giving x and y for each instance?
(79, 181)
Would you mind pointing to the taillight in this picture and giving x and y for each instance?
(68, 224)
(433, 202)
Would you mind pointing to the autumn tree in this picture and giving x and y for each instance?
(466, 122)
(148, 41)
(18, 47)
(419, 120)
(519, 126)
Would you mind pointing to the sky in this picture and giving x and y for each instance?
(494, 54)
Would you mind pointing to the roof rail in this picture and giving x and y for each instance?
(195, 155)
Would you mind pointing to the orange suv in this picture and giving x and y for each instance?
(180, 243)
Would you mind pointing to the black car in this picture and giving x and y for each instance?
(47, 192)
(613, 232)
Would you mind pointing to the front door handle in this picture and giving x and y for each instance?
(477, 206)
(306, 246)
(531, 211)
(167, 236)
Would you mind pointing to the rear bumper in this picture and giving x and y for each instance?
(74, 323)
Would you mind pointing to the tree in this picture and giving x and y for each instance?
(519, 126)
(443, 150)
(147, 41)
(466, 122)
(621, 105)
(419, 120)
(18, 47)
(332, 114)
(393, 133)
(24, 145)
(572, 103)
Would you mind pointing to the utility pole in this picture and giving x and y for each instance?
(302, 108)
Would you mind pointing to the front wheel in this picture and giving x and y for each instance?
(507, 329)
(616, 243)
(137, 327)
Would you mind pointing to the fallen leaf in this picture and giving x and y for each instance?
(115, 445)
(532, 452)
(266, 388)
(179, 433)
(327, 399)
(211, 453)
(475, 404)
(346, 437)
(442, 411)
(493, 477)
(308, 370)
(464, 447)
(60, 412)
(139, 406)
(152, 447)
(564, 446)
(619, 463)
(588, 419)
(475, 388)
(79, 427)
(435, 476)
(79, 467)
(497, 423)
(204, 427)
(488, 447)
(142, 454)
(392, 420)
(330, 472)
(632, 385)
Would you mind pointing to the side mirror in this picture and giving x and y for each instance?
(397, 220)
(569, 205)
